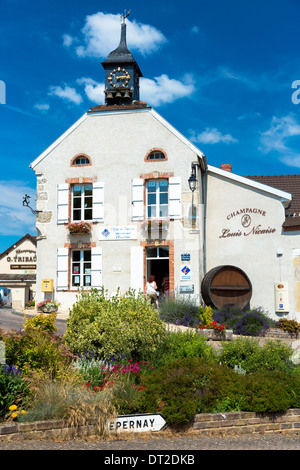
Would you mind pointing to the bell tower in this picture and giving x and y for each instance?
(122, 73)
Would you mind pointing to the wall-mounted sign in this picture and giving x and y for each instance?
(247, 228)
(22, 259)
(281, 297)
(186, 289)
(185, 273)
(118, 233)
(23, 266)
(185, 257)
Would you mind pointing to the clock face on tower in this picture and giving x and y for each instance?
(119, 78)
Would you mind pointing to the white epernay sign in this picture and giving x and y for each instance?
(118, 233)
(137, 423)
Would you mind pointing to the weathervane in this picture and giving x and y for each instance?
(26, 203)
(125, 15)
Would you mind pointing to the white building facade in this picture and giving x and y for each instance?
(119, 169)
(124, 169)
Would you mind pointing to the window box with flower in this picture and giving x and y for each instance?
(155, 224)
(79, 227)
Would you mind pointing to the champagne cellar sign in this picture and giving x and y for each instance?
(247, 226)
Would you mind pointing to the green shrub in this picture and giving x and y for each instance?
(43, 322)
(247, 353)
(238, 352)
(206, 316)
(14, 388)
(180, 344)
(179, 311)
(35, 348)
(187, 386)
(120, 326)
(292, 326)
(272, 392)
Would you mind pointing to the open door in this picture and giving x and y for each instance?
(157, 264)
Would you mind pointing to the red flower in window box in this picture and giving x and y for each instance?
(79, 227)
(155, 224)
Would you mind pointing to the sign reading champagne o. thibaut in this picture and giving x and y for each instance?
(137, 423)
(124, 232)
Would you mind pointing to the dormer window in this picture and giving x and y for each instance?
(155, 155)
(81, 160)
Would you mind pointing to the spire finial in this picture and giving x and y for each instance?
(124, 16)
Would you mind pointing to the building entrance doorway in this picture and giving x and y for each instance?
(157, 264)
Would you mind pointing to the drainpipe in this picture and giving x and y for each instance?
(203, 169)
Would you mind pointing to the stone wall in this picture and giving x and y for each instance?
(220, 424)
(278, 333)
(241, 422)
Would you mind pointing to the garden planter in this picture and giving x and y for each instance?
(215, 335)
(50, 309)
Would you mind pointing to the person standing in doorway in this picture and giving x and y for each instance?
(165, 284)
(151, 290)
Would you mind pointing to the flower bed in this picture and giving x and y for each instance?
(147, 370)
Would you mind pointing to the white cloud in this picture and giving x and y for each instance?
(101, 34)
(14, 217)
(278, 138)
(212, 136)
(66, 93)
(155, 92)
(42, 106)
(67, 40)
(163, 89)
(93, 90)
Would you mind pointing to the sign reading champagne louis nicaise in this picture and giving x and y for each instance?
(118, 233)
(137, 423)
(246, 226)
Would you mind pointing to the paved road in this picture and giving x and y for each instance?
(163, 442)
(12, 320)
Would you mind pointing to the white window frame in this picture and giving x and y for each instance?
(157, 204)
(82, 199)
(81, 273)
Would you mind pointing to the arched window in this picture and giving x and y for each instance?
(156, 155)
(81, 160)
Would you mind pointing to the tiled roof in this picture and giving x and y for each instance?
(290, 184)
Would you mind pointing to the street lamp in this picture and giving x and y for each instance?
(192, 185)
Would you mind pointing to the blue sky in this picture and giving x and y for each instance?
(225, 74)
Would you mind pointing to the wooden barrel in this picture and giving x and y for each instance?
(226, 285)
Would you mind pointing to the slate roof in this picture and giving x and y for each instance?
(122, 54)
